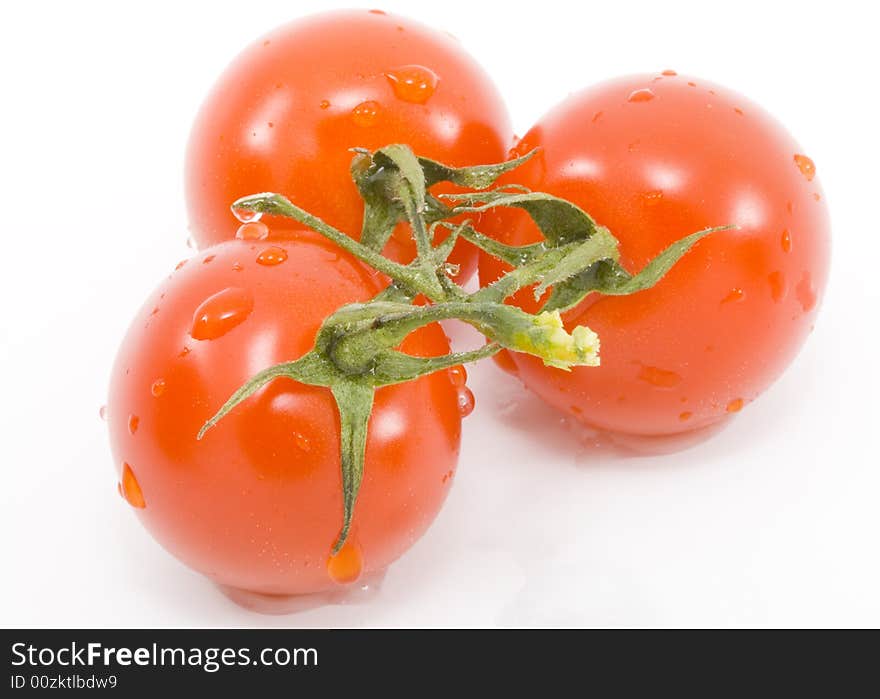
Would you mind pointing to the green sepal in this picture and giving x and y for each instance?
(514, 255)
(608, 277)
(560, 221)
(354, 401)
(392, 183)
(474, 177)
(380, 176)
(381, 211)
(550, 266)
(312, 368)
(600, 246)
(392, 367)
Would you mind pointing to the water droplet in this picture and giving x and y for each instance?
(734, 295)
(662, 378)
(777, 285)
(255, 230)
(806, 166)
(789, 207)
(158, 387)
(302, 442)
(735, 405)
(669, 73)
(451, 269)
(131, 489)
(237, 266)
(786, 241)
(266, 42)
(246, 215)
(816, 196)
(805, 293)
(366, 113)
(686, 415)
(347, 565)
(208, 260)
(653, 197)
(457, 375)
(272, 256)
(465, 401)
(190, 243)
(692, 84)
(185, 351)
(378, 12)
(643, 95)
(133, 422)
(180, 264)
(102, 412)
(413, 83)
(597, 116)
(447, 476)
(220, 313)
(738, 110)
(324, 104)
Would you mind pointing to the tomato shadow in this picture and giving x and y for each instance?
(517, 409)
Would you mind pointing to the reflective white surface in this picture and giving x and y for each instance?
(773, 521)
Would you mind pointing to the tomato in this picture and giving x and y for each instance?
(285, 113)
(256, 505)
(655, 158)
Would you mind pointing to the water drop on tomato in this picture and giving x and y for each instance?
(272, 256)
(221, 312)
(413, 83)
(347, 565)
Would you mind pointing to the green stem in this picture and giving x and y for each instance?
(358, 345)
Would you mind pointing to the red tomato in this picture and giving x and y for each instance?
(257, 503)
(655, 158)
(285, 113)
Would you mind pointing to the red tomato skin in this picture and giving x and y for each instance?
(257, 503)
(732, 314)
(283, 116)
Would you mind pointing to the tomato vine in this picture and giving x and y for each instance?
(355, 349)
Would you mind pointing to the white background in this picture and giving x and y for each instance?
(773, 522)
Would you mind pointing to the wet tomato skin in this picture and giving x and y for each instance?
(654, 158)
(257, 504)
(283, 116)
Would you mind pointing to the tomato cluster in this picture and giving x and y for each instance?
(255, 504)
